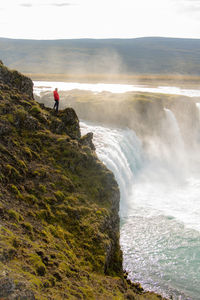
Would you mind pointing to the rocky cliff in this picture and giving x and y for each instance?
(59, 223)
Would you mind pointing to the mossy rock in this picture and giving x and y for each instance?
(59, 233)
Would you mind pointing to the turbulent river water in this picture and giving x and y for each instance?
(159, 207)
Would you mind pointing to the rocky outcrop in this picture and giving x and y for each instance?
(59, 228)
(86, 140)
(67, 122)
(16, 80)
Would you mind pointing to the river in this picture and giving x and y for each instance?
(46, 86)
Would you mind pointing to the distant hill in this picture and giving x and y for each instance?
(152, 55)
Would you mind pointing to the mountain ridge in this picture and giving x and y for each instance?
(145, 55)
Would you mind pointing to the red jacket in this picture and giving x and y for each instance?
(56, 96)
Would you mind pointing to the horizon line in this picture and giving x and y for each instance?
(111, 38)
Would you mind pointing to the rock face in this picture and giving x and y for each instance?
(67, 123)
(59, 228)
(16, 80)
(87, 140)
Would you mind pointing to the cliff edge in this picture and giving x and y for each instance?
(59, 223)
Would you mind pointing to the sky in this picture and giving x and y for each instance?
(66, 19)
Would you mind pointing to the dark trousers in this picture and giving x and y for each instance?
(56, 105)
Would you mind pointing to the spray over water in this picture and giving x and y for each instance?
(160, 231)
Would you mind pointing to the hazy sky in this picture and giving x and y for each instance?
(54, 19)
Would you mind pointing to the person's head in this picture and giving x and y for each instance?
(56, 89)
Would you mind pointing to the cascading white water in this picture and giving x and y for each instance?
(198, 107)
(174, 130)
(121, 151)
(160, 230)
(175, 144)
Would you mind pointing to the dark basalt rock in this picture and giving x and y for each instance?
(16, 80)
(86, 140)
(66, 122)
(70, 121)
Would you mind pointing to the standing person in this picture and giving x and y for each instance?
(56, 98)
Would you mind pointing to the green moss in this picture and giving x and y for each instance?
(20, 115)
(22, 164)
(15, 215)
(10, 118)
(31, 199)
(27, 151)
(26, 103)
(16, 242)
(56, 231)
(59, 195)
(12, 172)
(42, 188)
(35, 110)
(2, 177)
(46, 215)
(15, 191)
(34, 280)
(31, 214)
(42, 172)
(27, 226)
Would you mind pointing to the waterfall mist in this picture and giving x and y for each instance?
(159, 181)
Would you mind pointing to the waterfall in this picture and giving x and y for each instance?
(198, 107)
(160, 231)
(173, 137)
(121, 151)
(173, 129)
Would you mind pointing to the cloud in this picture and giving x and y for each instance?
(62, 4)
(26, 4)
(189, 8)
(47, 3)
